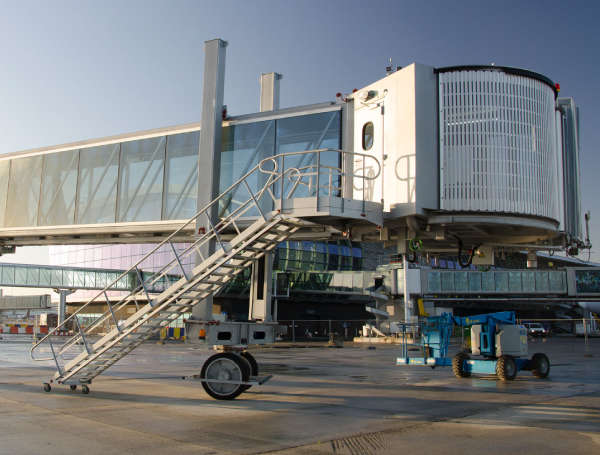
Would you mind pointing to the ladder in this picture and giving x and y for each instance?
(250, 217)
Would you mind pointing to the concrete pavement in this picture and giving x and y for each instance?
(321, 401)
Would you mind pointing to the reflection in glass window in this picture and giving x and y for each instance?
(97, 184)
(334, 258)
(243, 147)
(367, 136)
(181, 176)
(24, 192)
(4, 174)
(59, 188)
(310, 132)
(294, 245)
(141, 180)
(345, 249)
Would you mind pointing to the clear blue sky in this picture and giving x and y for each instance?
(74, 70)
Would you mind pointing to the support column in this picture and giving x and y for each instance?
(261, 289)
(406, 290)
(209, 162)
(260, 306)
(269, 91)
(62, 304)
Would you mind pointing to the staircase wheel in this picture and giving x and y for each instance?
(85, 389)
(506, 368)
(540, 365)
(229, 367)
(252, 364)
(458, 362)
(73, 387)
(252, 361)
(47, 387)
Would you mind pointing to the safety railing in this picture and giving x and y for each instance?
(430, 334)
(237, 202)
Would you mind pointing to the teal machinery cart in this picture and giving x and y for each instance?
(496, 339)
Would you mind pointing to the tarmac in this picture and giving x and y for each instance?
(349, 400)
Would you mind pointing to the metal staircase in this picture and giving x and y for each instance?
(253, 223)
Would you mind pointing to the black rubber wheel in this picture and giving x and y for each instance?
(540, 365)
(506, 368)
(252, 361)
(47, 388)
(225, 366)
(458, 362)
(73, 387)
(252, 364)
(85, 389)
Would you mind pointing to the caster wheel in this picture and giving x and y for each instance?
(85, 389)
(225, 366)
(73, 387)
(47, 388)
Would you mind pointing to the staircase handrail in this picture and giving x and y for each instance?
(276, 174)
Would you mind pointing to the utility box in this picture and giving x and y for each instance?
(511, 340)
(484, 256)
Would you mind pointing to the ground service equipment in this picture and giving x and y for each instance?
(495, 337)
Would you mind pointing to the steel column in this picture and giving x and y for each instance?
(209, 162)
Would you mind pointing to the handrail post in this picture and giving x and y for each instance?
(54, 355)
(83, 336)
(254, 200)
(281, 173)
(112, 312)
(178, 261)
(318, 178)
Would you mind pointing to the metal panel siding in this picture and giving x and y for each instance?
(497, 144)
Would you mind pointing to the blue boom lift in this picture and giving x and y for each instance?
(495, 337)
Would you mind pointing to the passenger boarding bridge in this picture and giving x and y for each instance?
(456, 157)
(463, 161)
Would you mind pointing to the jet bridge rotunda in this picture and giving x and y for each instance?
(480, 157)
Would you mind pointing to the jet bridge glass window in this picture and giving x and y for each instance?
(311, 132)
(181, 176)
(141, 180)
(24, 192)
(367, 136)
(243, 147)
(4, 174)
(97, 184)
(59, 187)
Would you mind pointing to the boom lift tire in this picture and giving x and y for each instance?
(506, 368)
(457, 365)
(540, 365)
(225, 366)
